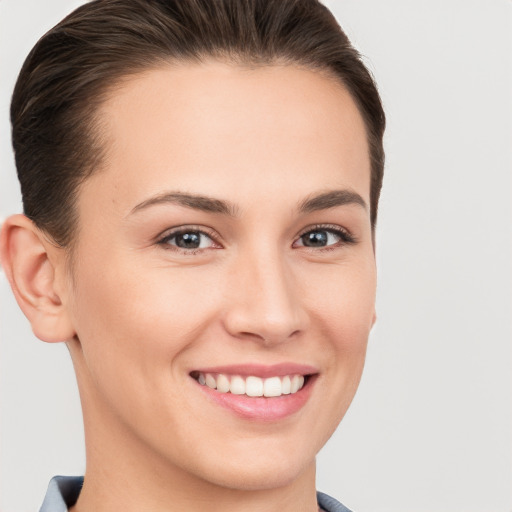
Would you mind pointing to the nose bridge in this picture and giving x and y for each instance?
(266, 303)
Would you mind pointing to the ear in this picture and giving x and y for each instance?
(30, 266)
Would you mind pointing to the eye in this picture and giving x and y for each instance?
(187, 240)
(323, 237)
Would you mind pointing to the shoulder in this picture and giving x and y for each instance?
(330, 504)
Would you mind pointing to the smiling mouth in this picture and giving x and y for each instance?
(252, 386)
(254, 392)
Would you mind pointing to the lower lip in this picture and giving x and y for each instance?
(262, 408)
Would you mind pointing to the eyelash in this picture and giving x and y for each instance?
(346, 238)
(164, 241)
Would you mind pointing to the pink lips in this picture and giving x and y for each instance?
(261, 408)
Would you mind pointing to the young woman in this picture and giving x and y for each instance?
(200, 183)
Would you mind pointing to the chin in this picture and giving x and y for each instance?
(273, 475)
(265, 470)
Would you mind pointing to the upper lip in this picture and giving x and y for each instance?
(259, 370)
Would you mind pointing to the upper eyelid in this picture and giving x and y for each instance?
(325, 227)
(169, 232)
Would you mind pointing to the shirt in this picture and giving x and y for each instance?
(63, 492)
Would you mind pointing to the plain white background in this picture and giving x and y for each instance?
(430, 429)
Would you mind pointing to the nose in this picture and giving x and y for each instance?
(264, 300)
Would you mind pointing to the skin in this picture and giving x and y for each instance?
(139, 314)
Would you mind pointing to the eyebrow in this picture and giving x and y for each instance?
(331, 199)
(196, 202)
(322, 201)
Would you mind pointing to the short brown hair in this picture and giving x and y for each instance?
(70, 70)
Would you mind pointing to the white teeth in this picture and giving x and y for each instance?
(286, 386)
(222, 383)
(272, 387)
(210, 381)
(237, 385)
(252, 386)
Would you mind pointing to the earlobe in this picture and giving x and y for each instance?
(32, 276)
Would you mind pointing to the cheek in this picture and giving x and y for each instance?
(344, 301)
(140, 318)
(344, 313)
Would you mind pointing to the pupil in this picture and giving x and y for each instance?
(315, 239)
(188, 240)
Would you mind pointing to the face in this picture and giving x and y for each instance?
(225, 244)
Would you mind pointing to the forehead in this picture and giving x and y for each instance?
(204, 126)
